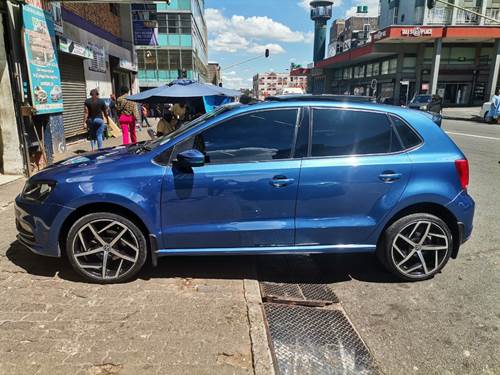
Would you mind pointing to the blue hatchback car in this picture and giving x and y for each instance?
(280, 177)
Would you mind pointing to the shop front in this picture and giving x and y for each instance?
(402, 62)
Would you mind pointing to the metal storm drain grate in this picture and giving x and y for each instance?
(309, 294)
(310, 340)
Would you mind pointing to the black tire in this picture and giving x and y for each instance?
(392, 259)
(131, 245)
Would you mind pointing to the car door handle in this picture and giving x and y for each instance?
(390, 176)
(280, 181)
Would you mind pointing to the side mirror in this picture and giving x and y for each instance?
(191, 158)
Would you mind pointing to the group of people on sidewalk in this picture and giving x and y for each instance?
(98, 116)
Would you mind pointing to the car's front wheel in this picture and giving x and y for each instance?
(416, 247)
(106, 248)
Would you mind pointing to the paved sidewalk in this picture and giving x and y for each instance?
(190, 315)
(462, 113)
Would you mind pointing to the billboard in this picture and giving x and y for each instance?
(41, 60)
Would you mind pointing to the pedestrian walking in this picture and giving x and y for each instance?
(127, 116)
(144, 115)
(495, 106)
(95, 111)
(112, 107)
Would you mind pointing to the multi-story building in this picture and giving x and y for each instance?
(214, 75)
(269, 83)
(455, 55)
(298, 78)
(170, 41)
(415, 12)
(350, 33)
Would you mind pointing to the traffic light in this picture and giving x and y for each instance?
(266, 53)
(431, 4)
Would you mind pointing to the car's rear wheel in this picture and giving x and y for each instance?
(106, 248)
(416, 247)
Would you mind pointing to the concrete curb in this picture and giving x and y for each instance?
(261, 355)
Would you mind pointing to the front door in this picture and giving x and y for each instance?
(244, 195)
(353, 177)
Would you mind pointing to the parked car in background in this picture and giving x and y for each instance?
(420, 102)
(286, 176)
(485, 111)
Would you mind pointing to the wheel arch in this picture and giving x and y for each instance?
(100, 207)
(434, 209)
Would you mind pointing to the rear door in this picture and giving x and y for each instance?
(354, 174)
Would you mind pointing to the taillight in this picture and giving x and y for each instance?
(462, 167)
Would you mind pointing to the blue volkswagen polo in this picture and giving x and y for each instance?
(280, 177)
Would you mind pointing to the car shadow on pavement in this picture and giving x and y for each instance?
(324, 269)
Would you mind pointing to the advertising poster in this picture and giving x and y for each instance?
(41, 59)
(145, 33)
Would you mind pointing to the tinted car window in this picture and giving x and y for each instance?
(407, 135)
(257, 136)
(344, 132)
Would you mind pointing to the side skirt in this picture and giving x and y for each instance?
(301, 249)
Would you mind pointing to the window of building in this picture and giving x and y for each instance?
(369, 70)
(253, 137)
(409, 64)
(376, 69)
(348, 73)
(393, 66)
(115, 9)
(337, 74)
(344, 132)
(385, 67)
(174, 23)
(459, 55)
(395, 16)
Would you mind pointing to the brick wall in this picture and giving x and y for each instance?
(99, 14)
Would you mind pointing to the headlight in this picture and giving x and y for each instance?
(424, 108)
(38, 190)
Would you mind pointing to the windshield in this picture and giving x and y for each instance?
(188, 125)
(422, 99)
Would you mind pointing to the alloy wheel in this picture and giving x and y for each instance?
(105, 249)
(420, 249)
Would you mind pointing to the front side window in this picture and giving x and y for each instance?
(350, 132)
(257, 136)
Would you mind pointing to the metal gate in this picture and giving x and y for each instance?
(74, 94)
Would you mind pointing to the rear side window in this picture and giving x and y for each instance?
(339, 132)
(407, 135)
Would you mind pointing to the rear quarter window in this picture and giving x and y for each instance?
(407, 135)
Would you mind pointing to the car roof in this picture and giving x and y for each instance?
(322, 97)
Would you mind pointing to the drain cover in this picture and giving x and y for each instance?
(310, 340)
(312, 294)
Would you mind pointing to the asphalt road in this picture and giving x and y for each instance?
(450, 324)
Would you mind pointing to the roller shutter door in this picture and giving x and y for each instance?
(74, 94)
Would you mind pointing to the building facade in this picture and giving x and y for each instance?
(446, 51)
(214, 73)
(269, 84)
(415, 12)
(350, 33)
(299, 78)
(171, 42)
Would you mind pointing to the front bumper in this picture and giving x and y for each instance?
(39, 224)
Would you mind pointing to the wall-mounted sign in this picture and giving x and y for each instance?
(41, 59)
(98, 63)
(69, 46)
(145, 34)
(416, 32)
(125, 64)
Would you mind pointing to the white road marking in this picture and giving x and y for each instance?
(473, 135)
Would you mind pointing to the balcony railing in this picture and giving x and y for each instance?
(493, 13)
(468, 18)
(439, 16)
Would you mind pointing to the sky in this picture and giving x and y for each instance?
(241, 29)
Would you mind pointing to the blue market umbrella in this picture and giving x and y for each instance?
(181, 89)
